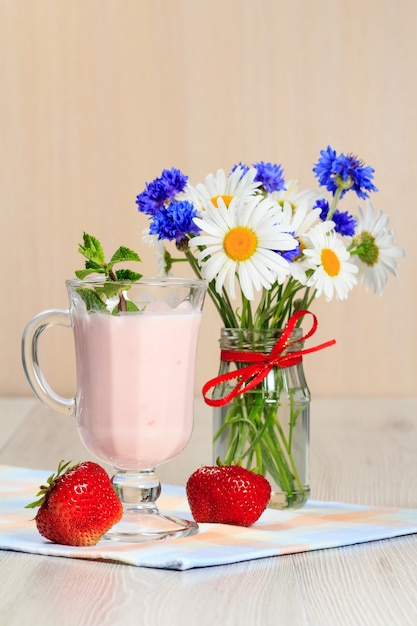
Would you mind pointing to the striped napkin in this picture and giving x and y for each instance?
(316, 526)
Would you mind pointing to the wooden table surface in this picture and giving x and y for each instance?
(363, 450)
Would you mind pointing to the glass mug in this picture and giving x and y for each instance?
(135, 354)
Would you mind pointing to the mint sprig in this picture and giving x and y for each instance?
(95, 299)
(96, 262)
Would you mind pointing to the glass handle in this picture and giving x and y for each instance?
(33, 372)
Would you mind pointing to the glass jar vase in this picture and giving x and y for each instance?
(265, 427)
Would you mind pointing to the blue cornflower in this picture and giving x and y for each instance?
(270, 175)
(175, 221)
(147, 204)
(344, 172)
(344, 222)
(174, 181)
(242, 166)
(290, 255)
(161, 190)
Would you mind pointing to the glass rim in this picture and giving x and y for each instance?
(226, 331)
(150, 281)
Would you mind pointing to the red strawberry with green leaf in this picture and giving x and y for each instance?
(227, 494)
(78, 505)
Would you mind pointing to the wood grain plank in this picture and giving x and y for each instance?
(86, 119)
(363, 450)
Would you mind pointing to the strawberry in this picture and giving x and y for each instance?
(78, 505)
(227, 494)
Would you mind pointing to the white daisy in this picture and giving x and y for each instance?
(154, 242)
(300, 222)
(302, 219)
(377, 252)
(294, 196)
(330, 261)
(241, 240)
(239, 183)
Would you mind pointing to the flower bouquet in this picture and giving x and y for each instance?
(267, 249)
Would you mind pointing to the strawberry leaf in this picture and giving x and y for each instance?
(63, 468)
(37, 503)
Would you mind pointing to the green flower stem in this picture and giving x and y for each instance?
(285, 304)
(259, 461)
(282, 449)
(255, 433)
(308, 298)
(221, 302)
(230, 321)
(276, 463)
(293, 418)
(274, 309)
(288, 444)
(246, 320)
(240, 425)
(335, 201)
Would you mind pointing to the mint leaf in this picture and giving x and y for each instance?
(92, 299)
(109, 289)
(127, 275)
(95, 262)
(123, 254)
(81, 274)
(130, 307)
(92, 249)
(95, 267)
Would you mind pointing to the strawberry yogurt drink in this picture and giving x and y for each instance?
(135, 354)
(135, 383)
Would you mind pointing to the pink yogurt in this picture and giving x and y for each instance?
(135, 383)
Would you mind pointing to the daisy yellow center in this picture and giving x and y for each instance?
(240, 243)
(330, 262)
(226, 199)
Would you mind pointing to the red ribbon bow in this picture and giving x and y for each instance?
(262, 364)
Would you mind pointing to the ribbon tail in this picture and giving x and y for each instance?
(244, 374)
(320, 346)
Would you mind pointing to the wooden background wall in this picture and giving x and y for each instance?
(98, 96)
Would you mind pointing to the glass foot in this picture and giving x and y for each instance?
(137, 526)
(142, 520)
